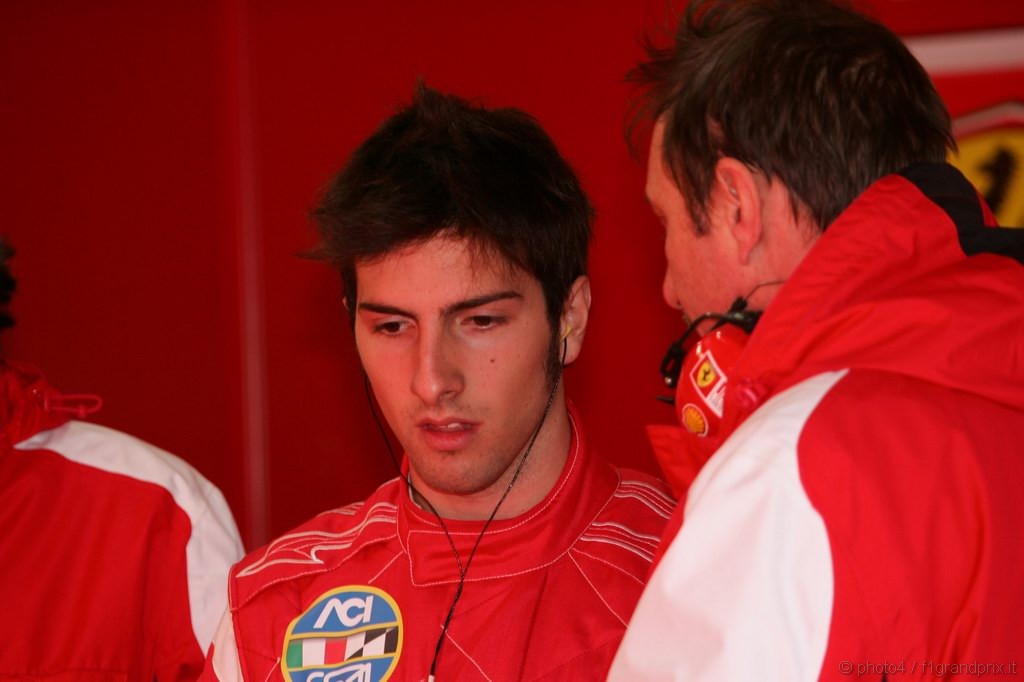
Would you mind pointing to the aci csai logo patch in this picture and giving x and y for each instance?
(350, 634)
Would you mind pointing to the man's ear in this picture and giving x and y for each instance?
(735, 200)
(573, 323)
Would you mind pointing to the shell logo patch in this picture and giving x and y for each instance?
(693, 419)
(991, 144)
(709, 381)
(349, 634)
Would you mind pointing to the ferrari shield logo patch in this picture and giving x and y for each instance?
(349, 634)
(709, 381)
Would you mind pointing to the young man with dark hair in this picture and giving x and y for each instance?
(859, 511)
(505, 550)
(114, 554)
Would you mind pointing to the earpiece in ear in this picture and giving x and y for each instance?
(568, 330)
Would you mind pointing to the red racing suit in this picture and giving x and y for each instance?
(863, 516)
(361, 592)
(113, 554)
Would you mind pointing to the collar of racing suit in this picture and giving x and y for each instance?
(516, 545)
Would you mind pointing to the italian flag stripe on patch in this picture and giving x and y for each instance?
(334, 652)
(306, 652)
(293, 657)
(315, 651)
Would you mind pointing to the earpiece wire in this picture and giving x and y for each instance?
(463, 570)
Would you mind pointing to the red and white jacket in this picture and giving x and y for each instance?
(864, 516)
(361, 592)
(113, 554)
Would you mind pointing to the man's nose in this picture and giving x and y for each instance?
(437, 375)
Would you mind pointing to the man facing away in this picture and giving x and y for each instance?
(114, 554)
(505, 550)
(863, 511)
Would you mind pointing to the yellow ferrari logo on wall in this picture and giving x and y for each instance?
(992, 157)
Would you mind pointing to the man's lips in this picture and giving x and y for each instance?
(446, 425)
(446, 434)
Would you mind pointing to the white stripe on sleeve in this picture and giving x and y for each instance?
(745, 590)
(213, 545)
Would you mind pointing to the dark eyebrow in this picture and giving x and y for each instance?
(468, 304)
(384, 309)
(471, 303)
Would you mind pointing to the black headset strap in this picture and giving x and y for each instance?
(738, 315)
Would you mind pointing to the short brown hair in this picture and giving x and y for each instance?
(806, 91)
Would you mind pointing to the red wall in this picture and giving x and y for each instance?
(159, 160)
(113, 188)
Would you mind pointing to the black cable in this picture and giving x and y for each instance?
(398, 468)
(672, 363)
(515, 476)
